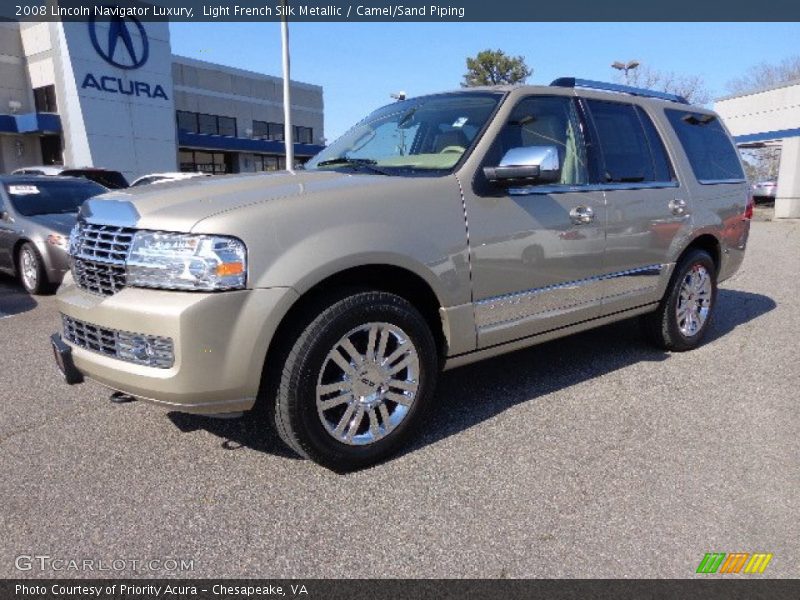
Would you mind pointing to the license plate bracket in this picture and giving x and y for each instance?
(62, 354)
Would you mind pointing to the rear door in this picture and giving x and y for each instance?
(646, 207)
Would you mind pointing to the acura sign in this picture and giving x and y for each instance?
(125, 46)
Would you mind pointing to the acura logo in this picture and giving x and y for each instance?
(126, 45)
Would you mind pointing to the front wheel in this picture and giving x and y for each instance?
(685, 312)
(357, 381)
(31, 271)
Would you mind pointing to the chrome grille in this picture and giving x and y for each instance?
(139, 348)
(99, 253)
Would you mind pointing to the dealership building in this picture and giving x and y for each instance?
(110, 93)
(770, 117)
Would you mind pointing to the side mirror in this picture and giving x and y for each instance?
(526, 165)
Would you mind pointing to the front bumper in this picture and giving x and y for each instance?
(220, 343)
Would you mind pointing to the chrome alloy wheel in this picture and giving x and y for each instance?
(368, 383)
(694, 301)
(29, 269)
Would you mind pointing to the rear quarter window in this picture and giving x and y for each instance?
(709, 149)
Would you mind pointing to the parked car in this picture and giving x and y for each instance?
(113, 180)
(165, 177)
(36, 216)
(333, 296)
(765, 191)
(39, 170)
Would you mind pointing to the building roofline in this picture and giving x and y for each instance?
(762, 90)
(204, 64)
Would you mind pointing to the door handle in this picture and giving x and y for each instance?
(677, 206)
(581, 215)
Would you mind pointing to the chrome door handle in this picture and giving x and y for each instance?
(581, 215)
(677, 206)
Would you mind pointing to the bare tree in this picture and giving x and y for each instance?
(765, 75)
(761, 164)
(691, 87)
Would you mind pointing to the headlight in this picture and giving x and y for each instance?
(186, 262)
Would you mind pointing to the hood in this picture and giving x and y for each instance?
(179, 205)
(57, 223)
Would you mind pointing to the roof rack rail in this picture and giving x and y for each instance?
(572, 82)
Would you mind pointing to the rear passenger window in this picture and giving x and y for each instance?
(661, 165)
(631, 148)
(708, 147)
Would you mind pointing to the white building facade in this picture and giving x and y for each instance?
(770, 117)
(110, 93)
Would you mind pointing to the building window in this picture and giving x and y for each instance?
(214, 163)
(303, 135)
(264, 130)
(192, 122)
(187, 121)
(44, 99)
(269, 162)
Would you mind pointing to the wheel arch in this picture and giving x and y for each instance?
(708, 242)
(375, 276)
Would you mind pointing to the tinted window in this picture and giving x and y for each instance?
(113, 180)
(710, 151)
(187, 121)
(547, 121)
(623, 145)
(661, 165)
(226, 126)
(43, 197)
(44, 99)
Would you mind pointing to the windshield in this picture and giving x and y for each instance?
(430, 133)
(43, 197)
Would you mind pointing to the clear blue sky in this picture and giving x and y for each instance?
(360, 64)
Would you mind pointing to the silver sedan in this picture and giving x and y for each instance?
(36, 216)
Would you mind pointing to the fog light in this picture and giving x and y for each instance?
(149, 350)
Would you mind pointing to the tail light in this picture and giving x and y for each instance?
(748, 210)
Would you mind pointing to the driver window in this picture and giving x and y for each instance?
(548, 121)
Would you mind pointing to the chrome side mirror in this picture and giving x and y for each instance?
(527, 164)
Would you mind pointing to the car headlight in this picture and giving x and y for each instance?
(181, 261)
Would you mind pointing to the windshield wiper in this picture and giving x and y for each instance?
(367, 163)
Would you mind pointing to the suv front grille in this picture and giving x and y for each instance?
(99, 253)
(139, 348)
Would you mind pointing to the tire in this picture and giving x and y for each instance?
(339, 371)
(693, 290)
(30, 268)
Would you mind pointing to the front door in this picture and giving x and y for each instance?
(536, 250)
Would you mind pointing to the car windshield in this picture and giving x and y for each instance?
(429, 134)
(42, 197)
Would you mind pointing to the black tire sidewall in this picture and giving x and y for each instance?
(679, 340)
(318, 339)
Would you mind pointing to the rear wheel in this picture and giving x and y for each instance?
(356, 382)
(31, 270)
(685, 312)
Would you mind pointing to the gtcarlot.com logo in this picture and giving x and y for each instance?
(736, 562)
(44, 562)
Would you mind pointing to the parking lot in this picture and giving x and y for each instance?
(593, 456)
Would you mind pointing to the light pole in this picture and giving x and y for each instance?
(625, 67)
(288, 137)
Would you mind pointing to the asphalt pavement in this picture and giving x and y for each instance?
(592, 456)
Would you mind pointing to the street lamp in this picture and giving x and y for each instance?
(625, 67)
(288, 140)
